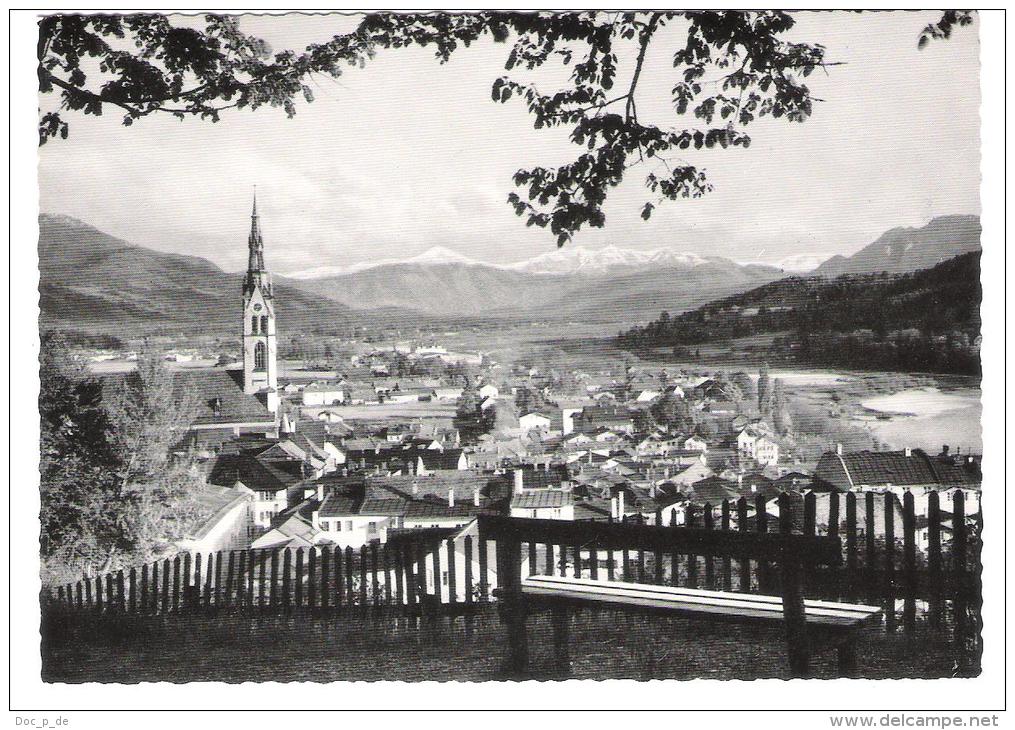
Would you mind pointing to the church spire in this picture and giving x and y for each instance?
(255, 261)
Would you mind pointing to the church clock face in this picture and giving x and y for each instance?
(257, 307)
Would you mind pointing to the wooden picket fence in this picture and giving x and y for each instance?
(876, 565)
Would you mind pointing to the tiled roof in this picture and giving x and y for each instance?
(224, 388)
(434, 459)
(337, 505)
(541, 498)
(254, 473)
(881, 468)
(713, 490)
(391, 506)
(422, 509)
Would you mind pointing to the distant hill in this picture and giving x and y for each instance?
(94, 282)
(928, 320)
(631, 289)
(902, 250)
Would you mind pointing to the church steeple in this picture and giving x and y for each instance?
(260, 374)
(257, 275)
(255, 261)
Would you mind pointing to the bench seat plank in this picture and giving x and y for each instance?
(687, 600)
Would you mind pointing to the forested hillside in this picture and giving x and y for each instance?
(925, 321)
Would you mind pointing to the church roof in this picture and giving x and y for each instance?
(220, 397)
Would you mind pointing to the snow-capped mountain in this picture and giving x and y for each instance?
(605, 261)
(435, 255)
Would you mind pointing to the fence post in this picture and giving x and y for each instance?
(484, 585)
(761, 527)
(727, 565)
(185, 578)
(794, 614)
(88, 592)
(871, 527)
(744, 563)
(375, 585)
(132, 584)
(889, 578)
(287, 567)
(78, 596)
(851, 537)
(176, 584)
(468, 569)
(227, 598)
(242, 600)
(98, 593)
(219, 598)
(121, 597)
(325, 578)
(111, 598)
(511, 604)
(934, 557)
(363, 576)
(709, 522)
(195, 594)
(692, 560)
(336, 568)
(400, 597)
(209, 574)
(312, 578)
(349, 592)
(909, 559)
(452, 579)
(262, 579)
(273, 586)
(165, 587)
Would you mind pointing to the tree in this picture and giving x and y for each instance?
(764, 391)
(745, 383)
(468, 414)
(731, 68)
(674, 412)
(781, 420)
(111, 489)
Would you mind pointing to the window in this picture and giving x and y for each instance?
(444, 578)
(264, 325)
(348, 525)
(253, 324)
(260, 356)
(326, 526)
(338, 526)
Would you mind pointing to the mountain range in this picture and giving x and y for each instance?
(93, 281)
(902, 250)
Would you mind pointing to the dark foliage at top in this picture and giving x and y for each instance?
(730, 68)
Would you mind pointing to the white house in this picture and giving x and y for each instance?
(489, 391)
(695, 443)
(229, 526)
(534, 422)
(323, 394)
(647, 396)
(756, 444)
(546, 504)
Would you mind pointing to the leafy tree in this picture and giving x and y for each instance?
(764, 391)
(730, 68)
(780, 409)
(674, 412)
(469, 418)
(111, 489)
(745, 383)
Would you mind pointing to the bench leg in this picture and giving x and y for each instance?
(847, 657)
(513, 615)
(561, 641)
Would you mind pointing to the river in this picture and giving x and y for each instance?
(927, 418)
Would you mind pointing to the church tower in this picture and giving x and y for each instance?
(260, 372)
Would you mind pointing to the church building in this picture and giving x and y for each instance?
(234, 402)
(260, 371)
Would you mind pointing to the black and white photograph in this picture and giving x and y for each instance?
(510, 347)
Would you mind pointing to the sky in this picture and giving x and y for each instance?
(406, 154)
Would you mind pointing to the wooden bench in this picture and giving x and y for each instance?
(810, 626)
